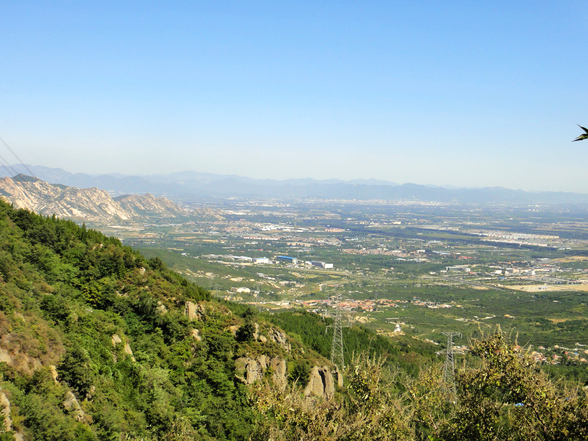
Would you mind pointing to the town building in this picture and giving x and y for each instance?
(287, 259)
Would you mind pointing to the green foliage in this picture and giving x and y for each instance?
(65, 291)
(299, 372)
(508, 397)
(75, 370)
(245, 332)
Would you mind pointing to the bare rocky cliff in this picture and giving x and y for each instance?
(81, 204)
(148, 205)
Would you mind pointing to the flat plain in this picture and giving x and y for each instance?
(401, 269)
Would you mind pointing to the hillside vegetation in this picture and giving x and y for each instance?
(99, 343)
(83, 315)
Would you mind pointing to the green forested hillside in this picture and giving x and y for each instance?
(113, 326)
(99, 343)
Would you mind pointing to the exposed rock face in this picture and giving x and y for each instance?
(196, 335)
(194, 311)
(128, 351)
(54, 374)
(250, 370)
(149, 205)
(280, 338)
(73, 406)
(207, 213)
(17, 359)
(127, 348)
(17, 348)
(89, 204)
(321, 383)
(5, 411)
(81, 204)
(233, 329)
(278, 366)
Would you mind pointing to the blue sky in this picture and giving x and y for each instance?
(435, 92)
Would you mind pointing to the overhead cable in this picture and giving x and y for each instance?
(16, 156)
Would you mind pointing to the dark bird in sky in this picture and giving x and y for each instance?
(583, 135)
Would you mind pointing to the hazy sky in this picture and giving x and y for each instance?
(429, 92)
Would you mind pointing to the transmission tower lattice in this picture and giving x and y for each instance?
(337, 345)
(449, 368)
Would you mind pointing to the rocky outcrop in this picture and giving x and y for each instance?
(207, 213)
(194, 311)
(18, 360)
(81, 204)
(196, 335)
(54, 374)
(250, 370)
(27, 351)
(149, 205)
(320, 383)
(72, 405)
(128, 351)
(127, 347)
(280, 338)
(233, 329)
(88, 204)
(115, 340)
(278, 367)
(5, 411)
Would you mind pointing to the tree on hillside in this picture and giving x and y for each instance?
(508, 397)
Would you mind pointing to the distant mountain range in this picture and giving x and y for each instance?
(87, 204)
(189, 186)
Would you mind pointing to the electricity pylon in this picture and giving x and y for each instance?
(376, 298)
(449, 368)
(337, 356)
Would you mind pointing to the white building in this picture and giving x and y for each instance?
(321, 264)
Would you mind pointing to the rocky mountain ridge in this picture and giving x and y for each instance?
(82, 204)
(190, 186)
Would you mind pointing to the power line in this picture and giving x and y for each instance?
(16, 156)
(9, 170)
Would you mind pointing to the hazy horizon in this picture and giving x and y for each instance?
(448, 94)
(19, 168)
